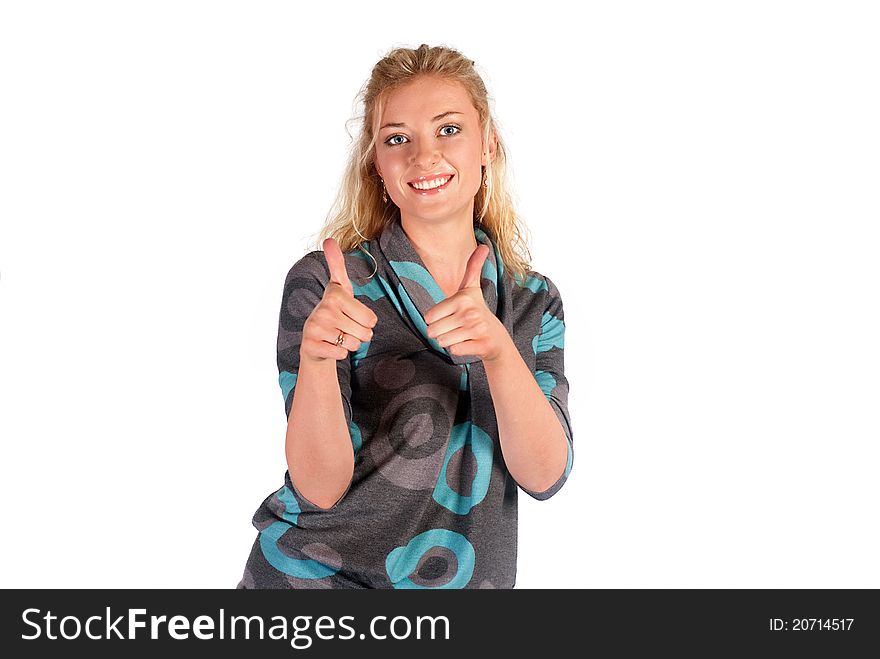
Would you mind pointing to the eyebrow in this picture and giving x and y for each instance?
(437, 118)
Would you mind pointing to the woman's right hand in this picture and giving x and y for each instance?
(338, 311)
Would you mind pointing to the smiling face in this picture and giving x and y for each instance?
(429, 150)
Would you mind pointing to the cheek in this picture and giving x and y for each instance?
(390, 164)
(472, 174)
(469, 157)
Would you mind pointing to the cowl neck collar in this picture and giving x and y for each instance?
(414, 290)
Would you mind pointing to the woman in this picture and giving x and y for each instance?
(421, 361)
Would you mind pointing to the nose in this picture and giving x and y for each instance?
(426, 155)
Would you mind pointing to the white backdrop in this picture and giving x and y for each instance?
(700, 181)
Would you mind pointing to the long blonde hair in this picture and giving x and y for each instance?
(359, 213)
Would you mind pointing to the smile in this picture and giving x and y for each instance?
(432, 186)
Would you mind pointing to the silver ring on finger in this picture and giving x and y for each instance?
(340, 339)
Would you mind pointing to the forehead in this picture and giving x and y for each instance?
(424, 98)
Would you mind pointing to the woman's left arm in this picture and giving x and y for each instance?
(533, 440)
(534, 443)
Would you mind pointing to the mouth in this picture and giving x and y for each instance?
(432, 185)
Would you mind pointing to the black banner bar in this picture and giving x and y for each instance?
(698, 622)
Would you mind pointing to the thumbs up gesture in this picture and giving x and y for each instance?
(338, 315)
(463, 324)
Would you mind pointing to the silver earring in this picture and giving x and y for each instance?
(384, 194)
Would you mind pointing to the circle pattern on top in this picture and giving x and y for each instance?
(393, 372)
(303, 568)
(401, 457)
(321, 553)
(320, 560)
(437, 558)
(466, 437)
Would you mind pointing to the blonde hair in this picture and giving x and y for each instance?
(359, 212)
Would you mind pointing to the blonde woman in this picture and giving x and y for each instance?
(420, 359)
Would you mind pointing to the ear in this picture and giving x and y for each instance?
(378, 171)
(493, 148)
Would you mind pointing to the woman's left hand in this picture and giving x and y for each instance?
(463, 324)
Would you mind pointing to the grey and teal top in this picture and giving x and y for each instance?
(431, 503)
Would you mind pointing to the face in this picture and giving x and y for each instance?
(429, 133)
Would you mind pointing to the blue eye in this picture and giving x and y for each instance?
(389, 141)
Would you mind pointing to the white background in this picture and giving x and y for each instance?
(700, 180)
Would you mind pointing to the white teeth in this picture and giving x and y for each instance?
(429, 185)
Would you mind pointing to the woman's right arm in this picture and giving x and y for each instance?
(318, 445)
(320, 456)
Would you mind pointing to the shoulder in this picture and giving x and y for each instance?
(313, 266)
(538, 284)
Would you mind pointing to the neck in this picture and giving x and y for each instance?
(444, 246)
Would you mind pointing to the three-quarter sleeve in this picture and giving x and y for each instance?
(303, 289)
(549, 344)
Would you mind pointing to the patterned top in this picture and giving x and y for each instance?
(431, 503)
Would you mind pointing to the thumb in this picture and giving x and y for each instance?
(474, 267)
(336, 263)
